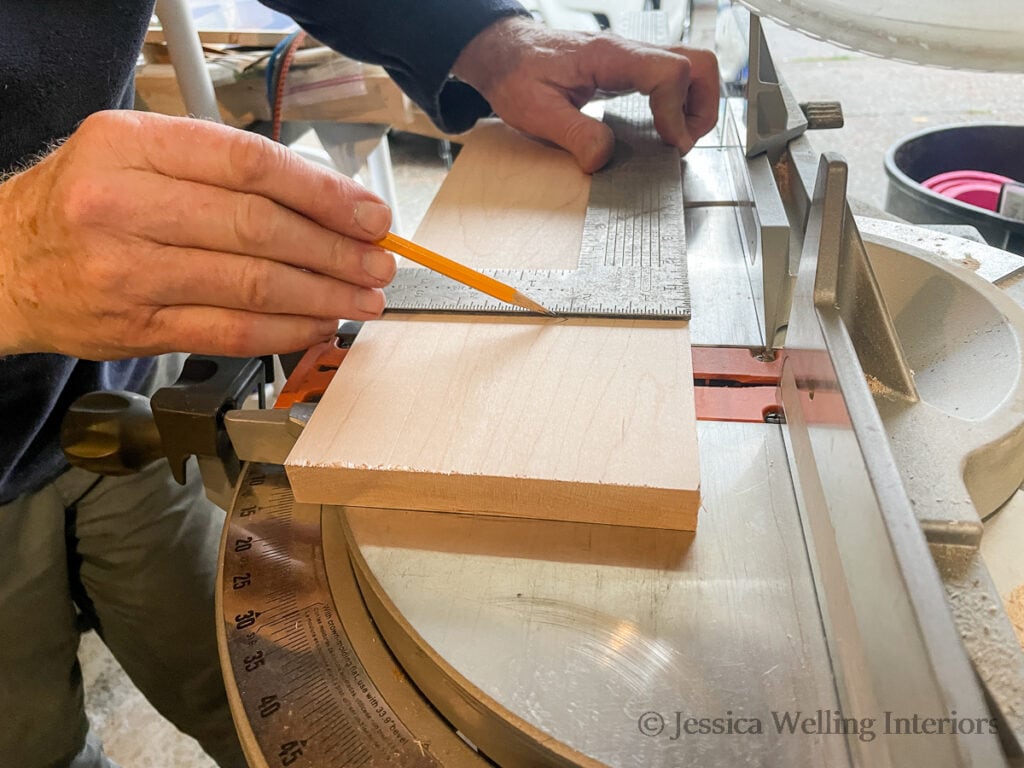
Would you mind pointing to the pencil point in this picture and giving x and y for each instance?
(524, 301)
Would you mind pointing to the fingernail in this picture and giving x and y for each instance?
(327, 328)
(373, 218)
(370, 301)
(380, 264)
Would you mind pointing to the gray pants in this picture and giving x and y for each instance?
(138, 557)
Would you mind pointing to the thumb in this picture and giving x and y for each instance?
(590, 141)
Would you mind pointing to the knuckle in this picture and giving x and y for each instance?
(681, 67)
(98, 123)
(605, 47)
(84, 200)
(103, 136)
(104, 274)
(325, 186)
(699, 58)
(250, 157)
(250, 335)
(674, 70)
(254, 221)
(604, 44)
(137, 332)
(255, 285)
(343, 260)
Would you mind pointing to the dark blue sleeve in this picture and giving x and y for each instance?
(416, 41)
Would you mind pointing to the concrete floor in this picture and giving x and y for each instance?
(883, 101)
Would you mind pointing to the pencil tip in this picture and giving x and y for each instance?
(524, 301)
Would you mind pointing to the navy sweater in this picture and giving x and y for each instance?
(61, 60)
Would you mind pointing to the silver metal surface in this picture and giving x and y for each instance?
(266, 435)
(186, 53)
(721, 242)
(707, 178)
(772, 249)
(845, 283)
(892, 639)
(773, 115)
(748, 187)
(939, 332)
(724, 313)
(981, 35)
(1011, 201)
(594, 641)
(763, 223)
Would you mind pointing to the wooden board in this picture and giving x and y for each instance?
(581, 420)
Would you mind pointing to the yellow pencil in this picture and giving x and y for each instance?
(460, 273)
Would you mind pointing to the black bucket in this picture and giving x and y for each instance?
(916, 158)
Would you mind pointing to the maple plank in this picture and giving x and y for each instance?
(564, 419)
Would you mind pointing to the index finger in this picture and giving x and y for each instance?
(214, 154)
(682, 83)
(703, 96)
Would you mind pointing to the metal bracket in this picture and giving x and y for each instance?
(189, 416)
(773, 115)
(860, 519)
(845, 282)
(267, 435)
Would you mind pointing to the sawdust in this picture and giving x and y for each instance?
(878, 389)
(971, 263)
(1015, 610)
(781, 171)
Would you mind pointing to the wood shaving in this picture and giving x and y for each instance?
(1015, 610)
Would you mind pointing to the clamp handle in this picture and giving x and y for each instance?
(110, 433)
(119, 433)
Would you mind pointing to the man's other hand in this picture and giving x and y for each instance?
(537, 78)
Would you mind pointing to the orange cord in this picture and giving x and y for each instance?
(282, 75)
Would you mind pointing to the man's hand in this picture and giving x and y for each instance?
(145, 234)
(537, 78)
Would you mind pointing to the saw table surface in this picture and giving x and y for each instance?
(594, 640)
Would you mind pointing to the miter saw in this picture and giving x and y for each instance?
(862, 410)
